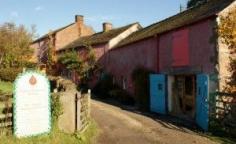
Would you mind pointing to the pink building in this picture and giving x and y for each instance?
(101, 42)
(188, 58)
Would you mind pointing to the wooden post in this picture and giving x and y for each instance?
(24, 69)
(78, 111)
(89, 102)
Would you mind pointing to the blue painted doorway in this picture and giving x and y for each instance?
(202, 111)
(158, 93)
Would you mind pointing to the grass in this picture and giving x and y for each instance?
(56, 137)
(223, 140)
(6, 87)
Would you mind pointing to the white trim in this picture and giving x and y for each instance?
(113, 42)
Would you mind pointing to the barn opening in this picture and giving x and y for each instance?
(182, 96)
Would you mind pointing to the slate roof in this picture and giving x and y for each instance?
(97, 38)
(192, 15)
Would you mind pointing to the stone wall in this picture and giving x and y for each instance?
(75, 106)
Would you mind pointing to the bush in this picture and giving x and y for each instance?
(9, 74)
(56, 107)
(122, 96)
(140, 77)
(104, 85)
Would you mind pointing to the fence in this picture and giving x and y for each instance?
(76, 110)
(6, 113)
(84, 110)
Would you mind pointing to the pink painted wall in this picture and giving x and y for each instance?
(195, 43)
(200, 50)
(122, 61)
(99, 50)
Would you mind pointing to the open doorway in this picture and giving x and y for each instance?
(183, 96)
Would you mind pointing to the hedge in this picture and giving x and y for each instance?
(9, 74)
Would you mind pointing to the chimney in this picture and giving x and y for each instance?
(79, 20)
(107, 27)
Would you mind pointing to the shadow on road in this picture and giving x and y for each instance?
(166, 121)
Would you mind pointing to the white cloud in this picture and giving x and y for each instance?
(14, 14)
(38, 8)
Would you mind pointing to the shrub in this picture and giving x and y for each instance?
(140, 77)
(105, 88)
(9, 74)
(56, 107)
(104, 85)
(122, 96)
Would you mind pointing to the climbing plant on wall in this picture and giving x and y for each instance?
(227, 32)
(71, 61)
(83, 64)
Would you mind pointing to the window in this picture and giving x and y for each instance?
(160, 87)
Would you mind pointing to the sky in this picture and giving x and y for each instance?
(49, 15)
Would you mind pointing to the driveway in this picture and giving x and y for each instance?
(119, 126)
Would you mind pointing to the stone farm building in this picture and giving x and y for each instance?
(60, 38)
(188, 60)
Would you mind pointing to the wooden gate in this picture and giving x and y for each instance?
(6, 113)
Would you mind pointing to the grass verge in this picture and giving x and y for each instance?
(6, 87)
(223, 140)
(56, 137)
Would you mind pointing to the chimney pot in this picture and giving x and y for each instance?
(79, 19)
(107, 26)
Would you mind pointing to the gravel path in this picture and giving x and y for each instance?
(118, 126)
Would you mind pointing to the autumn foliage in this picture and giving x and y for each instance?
(227, 32)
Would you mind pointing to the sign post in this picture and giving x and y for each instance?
(31, 106)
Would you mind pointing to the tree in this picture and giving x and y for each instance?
(15, 45)
(227, 32)
(83, 65)
(192, 3)
(71, 61)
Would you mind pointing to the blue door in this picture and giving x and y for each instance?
(158, 93)
(202, 111)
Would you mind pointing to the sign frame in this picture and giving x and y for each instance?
(31, 72)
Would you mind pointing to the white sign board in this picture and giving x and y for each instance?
(32, 112)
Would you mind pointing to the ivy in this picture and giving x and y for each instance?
(83, 64)
(71, 60)
(227, 33)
